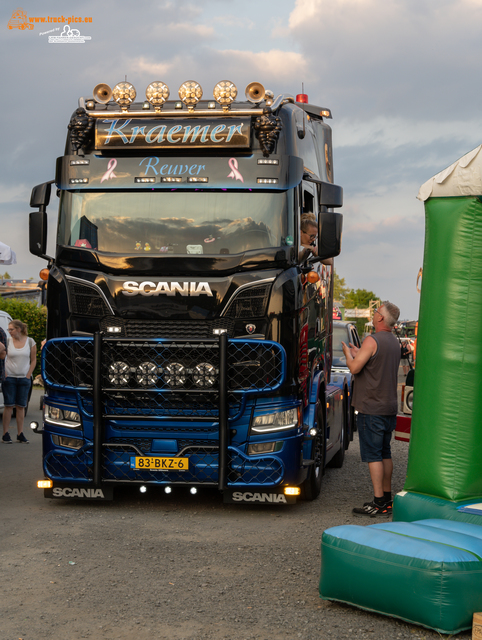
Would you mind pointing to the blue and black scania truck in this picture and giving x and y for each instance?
(189, 330)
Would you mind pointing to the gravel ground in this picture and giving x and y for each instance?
(176, 567)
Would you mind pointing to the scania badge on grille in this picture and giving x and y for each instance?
(250, 328)
(166, 288)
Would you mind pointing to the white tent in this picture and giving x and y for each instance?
(462, 178)
(7, 256)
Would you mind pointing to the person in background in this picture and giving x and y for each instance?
(21, 358)
(406, 350)
(3, 352)
(375, 367)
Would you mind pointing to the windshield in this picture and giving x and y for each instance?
(186, 222)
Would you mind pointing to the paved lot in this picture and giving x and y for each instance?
(155, 567)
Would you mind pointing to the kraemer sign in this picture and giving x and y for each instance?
(140, 134)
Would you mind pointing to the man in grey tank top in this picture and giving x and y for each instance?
(375, 367)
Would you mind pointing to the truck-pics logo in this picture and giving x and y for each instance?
(166, 288)
(19, 20)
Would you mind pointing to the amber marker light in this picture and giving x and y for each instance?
(44, 484)
(292, 491)
(44, 274)
(313, 277)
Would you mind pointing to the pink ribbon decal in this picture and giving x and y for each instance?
(110, 170)
(233, 165)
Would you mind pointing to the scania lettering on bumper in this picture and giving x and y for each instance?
(80, 493)
(257, 497)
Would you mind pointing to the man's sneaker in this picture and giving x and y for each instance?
(22, 438)
(388, 505)
(371, 509)
(6, 439)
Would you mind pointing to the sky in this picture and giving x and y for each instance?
(402, 78)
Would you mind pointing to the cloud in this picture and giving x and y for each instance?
(276, 64)
(400, 58)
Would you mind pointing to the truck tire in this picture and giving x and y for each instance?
(311, 487)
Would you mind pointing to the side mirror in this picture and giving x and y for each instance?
(330, 195)
(38, 219)
(41, 196)
(330, 226)
(38, 233)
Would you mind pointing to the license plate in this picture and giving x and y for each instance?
(154, 463)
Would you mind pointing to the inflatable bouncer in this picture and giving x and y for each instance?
(426, 566)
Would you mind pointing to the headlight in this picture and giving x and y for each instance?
(62, 417)
(409, 400)
(275, 421)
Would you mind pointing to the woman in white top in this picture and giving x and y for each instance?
(21, 360)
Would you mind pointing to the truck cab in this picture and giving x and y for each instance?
(188, 324)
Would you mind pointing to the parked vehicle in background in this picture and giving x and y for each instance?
(407, 393)
(345, 332)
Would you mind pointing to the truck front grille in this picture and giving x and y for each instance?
(203, 467)
(167, 329)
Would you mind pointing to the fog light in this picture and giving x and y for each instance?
(193, 490)
(34, 426)
(167, 490)
(146, 374)
(261, 447)
(119, 373)
(175, 374)
(69, 443)
(143, 489)
(204, 375)
(313, 432)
